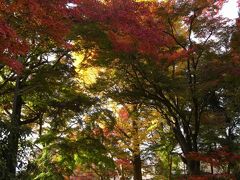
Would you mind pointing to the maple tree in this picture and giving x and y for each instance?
(24, 23)
(135, 130)
(183, 39)
(178, 57)
(29, 31)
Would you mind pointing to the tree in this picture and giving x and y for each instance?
(164, 49)
(28, 31)
(135, 131)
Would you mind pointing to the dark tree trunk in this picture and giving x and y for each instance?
(193, 167)
(137, 167)
(137, 164)
(13, 137)
(188, 144)
(170, 166)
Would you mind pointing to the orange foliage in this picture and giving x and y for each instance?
(216, 158)
(123, 114)
(24, 21)
(131, 26)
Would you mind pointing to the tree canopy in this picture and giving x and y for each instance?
(105, 89)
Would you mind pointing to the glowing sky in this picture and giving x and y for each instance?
(230, 9)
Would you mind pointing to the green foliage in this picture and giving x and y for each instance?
(61, 156)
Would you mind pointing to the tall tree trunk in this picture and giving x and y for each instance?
(13, 137)
(137, 167)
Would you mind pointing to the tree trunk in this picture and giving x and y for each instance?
(137, 164)
(212, 169)
(13, 137)
(137, 167)
(193, 167)
(170, 166)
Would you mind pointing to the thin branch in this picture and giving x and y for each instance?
(30, 120)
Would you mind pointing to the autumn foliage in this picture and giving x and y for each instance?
(24, 23)
(171, 70)
(132, 26)
(219, 157)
